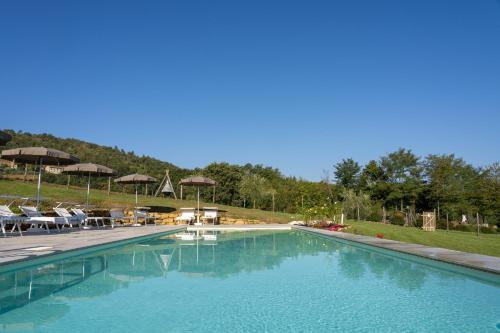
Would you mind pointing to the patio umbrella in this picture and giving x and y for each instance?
(88, 169)
(39, 156)
(4, 138)
(136, 179)
(198, 181)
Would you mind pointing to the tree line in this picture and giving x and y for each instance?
(397, 182)
(404, 182)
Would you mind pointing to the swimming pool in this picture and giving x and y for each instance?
(250, 281)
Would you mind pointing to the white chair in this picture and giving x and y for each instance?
(143, 214)
(187, 215)
(118, 214)
(210, 213)
(7, 216)
(80, 214)
(68, 217)
(38, 220)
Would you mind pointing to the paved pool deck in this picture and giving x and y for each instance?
(471, 260)
(35, 245)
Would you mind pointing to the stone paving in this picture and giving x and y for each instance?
(34, 245)
(471, 260)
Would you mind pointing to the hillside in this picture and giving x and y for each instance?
(264, 181)
(56, 193)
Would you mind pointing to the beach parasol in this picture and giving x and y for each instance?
(198, 181)
(136, 179)
(39, 156)
(88, 169)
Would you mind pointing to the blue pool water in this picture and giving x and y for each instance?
(247, 282)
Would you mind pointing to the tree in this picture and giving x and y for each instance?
(487, 193)
(356, 204)
(403, 172)
(253, 187)
(347, 173)
(228, 178)
(443, 174)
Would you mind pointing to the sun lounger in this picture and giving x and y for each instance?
(38, 220)
(86, 219)
(70, 218)
(7, 216)
(143, 214)
(187, 215)
(119, 215)
(210, 213)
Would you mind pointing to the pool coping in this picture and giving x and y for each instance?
(20, 258)
(39, 248)
(470, 260)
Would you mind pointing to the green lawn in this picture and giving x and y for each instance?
(456, 240)
(488, 244)
(100, 198)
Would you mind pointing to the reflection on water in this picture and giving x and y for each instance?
(102, 273)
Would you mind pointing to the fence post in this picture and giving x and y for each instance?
(477, 221)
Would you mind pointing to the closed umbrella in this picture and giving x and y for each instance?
(39, 156)
(198, 181)
(89, 169)
(4, 138)
(136, 179)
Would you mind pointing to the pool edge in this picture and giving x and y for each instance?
(475, 261)
(49, 257)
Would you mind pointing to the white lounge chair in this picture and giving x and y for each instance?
(210, 213)
(119, 215)
(7, 216)
(187, 215)
(38, 220)
(143, 214)
(86, 219)
(70, 218)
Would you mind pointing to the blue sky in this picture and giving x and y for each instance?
(296, 85)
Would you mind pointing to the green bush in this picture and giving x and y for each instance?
(487, 230)
(375, 214)
(441, 224)
(464, 227)
(397, 218)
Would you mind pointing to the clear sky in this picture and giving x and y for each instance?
(296, 85)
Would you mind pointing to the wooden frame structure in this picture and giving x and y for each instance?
(429, 221)
(166, 183)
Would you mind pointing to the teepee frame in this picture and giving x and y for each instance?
(165, 181)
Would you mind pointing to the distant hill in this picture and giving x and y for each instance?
(261, 182)
(118, 159)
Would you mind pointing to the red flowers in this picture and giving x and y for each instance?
(380, 235)
(336, 227)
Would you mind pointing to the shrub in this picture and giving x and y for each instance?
(463, 227)
(487, 230)
(441, 224)
(375, 216)
(397, 218)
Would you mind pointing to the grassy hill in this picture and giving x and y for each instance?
(288, 191)
(54, 193)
